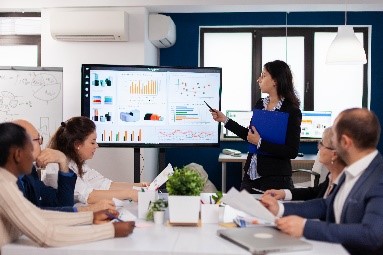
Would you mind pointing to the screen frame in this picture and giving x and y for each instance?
(85, 102)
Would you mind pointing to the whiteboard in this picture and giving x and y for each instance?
(34, 94)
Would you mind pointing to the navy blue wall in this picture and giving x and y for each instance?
(185, 53)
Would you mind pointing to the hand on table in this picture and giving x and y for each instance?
(104, 216)
(122, 229)
(98, 206)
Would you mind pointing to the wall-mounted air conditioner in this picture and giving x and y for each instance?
(89, 25)
(162, 30)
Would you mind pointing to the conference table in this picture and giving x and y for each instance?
(149, 238)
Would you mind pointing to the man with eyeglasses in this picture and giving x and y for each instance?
(46, 197)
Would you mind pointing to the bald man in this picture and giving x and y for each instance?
(46, 197)
(60, 199)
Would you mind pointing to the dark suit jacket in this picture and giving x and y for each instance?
(310, 192)
(277, 162)
(361, 225)
(47, 197)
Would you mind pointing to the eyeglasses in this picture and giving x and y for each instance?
(40, 139)
(321, 145)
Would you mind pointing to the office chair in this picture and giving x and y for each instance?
(302, 176)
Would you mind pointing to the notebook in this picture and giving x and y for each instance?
(262, 239)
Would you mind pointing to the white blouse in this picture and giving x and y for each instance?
(91, 180)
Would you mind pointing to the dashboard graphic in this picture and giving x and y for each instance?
(147, 106)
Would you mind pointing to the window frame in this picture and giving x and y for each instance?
(9, 40)
(308, 33)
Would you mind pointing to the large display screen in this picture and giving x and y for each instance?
(151, 106)
(314, 123)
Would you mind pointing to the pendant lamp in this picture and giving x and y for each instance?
(346, 48)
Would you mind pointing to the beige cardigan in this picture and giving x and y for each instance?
(48, 228)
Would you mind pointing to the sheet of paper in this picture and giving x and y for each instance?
(161, 178)
(247, 203)
(120, 203)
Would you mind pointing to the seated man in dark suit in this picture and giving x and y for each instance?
(329, 158)
(46, 197)
(353, 213)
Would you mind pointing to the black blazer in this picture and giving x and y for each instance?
(277, 163)
(310, 192)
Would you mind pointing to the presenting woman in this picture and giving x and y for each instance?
(76, 138)
(270, 166)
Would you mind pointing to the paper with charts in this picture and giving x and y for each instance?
(245, 202)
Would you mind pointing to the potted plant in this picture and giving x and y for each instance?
(184, 188)
(156, 210)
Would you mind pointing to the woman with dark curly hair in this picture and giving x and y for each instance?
(76, 138)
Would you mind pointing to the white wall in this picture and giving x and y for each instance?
(115, 163)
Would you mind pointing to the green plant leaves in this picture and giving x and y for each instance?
(184, 182)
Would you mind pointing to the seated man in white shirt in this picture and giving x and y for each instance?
(354, 212)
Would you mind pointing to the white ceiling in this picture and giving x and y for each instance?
(189, 6)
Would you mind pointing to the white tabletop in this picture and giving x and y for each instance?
(159, 240)
(149, 238)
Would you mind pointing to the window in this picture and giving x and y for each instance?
(304, 49)
(232, 50)
(20, 39)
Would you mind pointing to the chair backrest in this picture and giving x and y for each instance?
(310, 174)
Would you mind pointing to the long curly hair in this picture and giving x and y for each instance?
(73, 131)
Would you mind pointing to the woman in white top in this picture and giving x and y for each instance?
(47, 228)
(76, 138)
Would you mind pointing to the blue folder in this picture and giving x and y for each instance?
(271, 126)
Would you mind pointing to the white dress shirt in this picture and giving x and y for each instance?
(352, 172)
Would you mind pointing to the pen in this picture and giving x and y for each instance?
(210, 200)
(258, 190)
(209, 106)
(112, 217)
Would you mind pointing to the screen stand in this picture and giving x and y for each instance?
(137, 173)
(161, 160)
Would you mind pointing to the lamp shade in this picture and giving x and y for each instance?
(346, 48)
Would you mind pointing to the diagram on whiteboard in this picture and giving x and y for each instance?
(34, 95)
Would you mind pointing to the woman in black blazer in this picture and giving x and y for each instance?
(270, 167)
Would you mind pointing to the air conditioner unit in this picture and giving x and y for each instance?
(89, 25)
(162, 30)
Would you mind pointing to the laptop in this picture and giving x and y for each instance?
(263, 239)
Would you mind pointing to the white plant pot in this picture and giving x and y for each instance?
(158, 217)
(184, 209)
